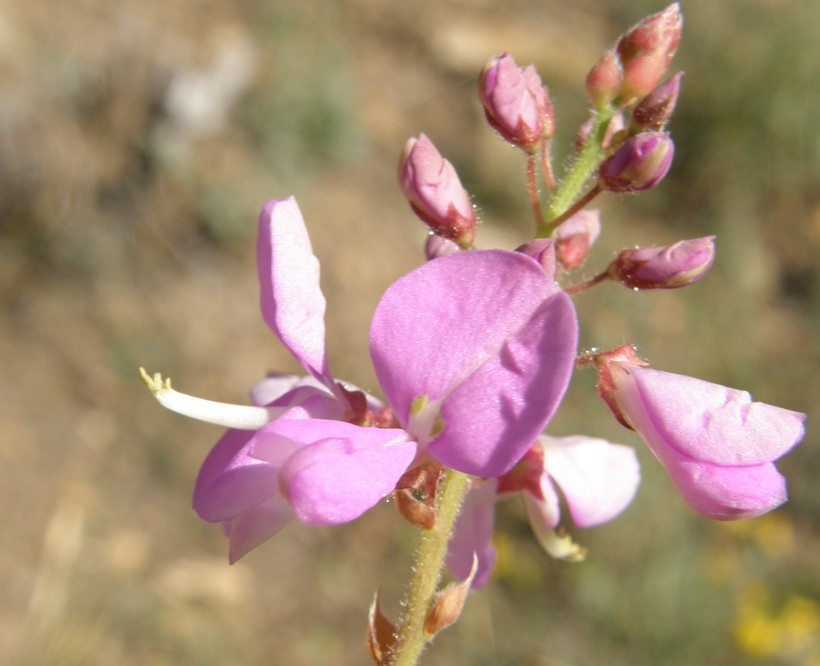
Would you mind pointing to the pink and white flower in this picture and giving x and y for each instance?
(473, 352)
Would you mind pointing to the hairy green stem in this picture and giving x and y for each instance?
(427, 571)
(580, 172)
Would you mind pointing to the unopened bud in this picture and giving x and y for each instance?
(667, 267)
(605, 80)
(437, 246)
(616, 124)
(639, 164)
(543, 251)
(435, 193)
(516, 103)
(646, 50)
(575, 237)
(655, 110)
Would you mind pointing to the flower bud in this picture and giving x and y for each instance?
(646, 51)
(435, 193)
(605, 80)
(516, 103)
(666, 267)
(655, 110)
(575, 236)
(543, 251)
(616, 124)
(438, 246)
(639, 164)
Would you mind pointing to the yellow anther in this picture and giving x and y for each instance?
(155, 383)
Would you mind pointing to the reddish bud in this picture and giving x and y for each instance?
(646, 50)
(605, 80)
(655, 110)
(435, 193)
(639, 164)
(516, 103)
(575, 237)
(667, 267)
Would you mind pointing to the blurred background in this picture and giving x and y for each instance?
(138, 141)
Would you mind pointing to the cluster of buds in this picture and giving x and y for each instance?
(629, 75)
(636, 64)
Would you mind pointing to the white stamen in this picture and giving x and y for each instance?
(241, 417)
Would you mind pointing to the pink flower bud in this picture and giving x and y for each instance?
(543, 251)
(639, 164)
(655, 110)
(605, 80)
(435, 193)
(516, 103)
(667, 267)
(575, 237)
(616, 124)
(438, 246)
(646, 50)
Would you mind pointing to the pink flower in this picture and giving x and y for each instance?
(597, 479)
(473, 351)
(307, 461)
(717, 446)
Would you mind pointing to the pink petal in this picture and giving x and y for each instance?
(706, 421)
(472, 535)
(342, 470)
(488, 342)
(231, 481)
(547, 507)
(275, 385)
(726, 493)
(598, 479)
(291, 298)
(254, 526)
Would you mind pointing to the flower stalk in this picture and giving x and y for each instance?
(579, 174)
(427, 571)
